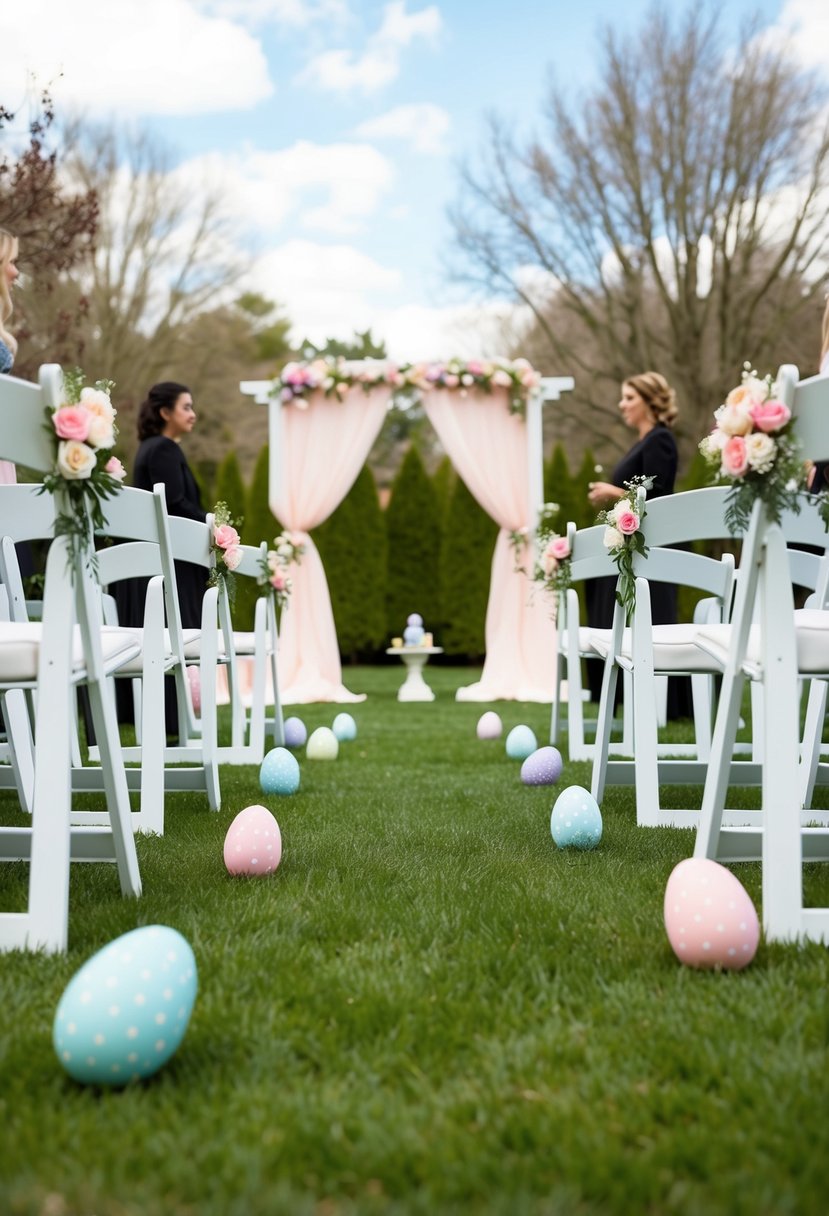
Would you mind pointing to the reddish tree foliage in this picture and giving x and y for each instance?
(56, 229)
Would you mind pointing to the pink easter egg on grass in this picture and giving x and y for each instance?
(489, 725)
(709, 917)
(253, 844)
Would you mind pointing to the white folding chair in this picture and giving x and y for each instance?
(52, 658)
(775, 650)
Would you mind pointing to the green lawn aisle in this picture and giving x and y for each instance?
(427, 1009)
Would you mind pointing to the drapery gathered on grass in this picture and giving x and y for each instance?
(487, 444)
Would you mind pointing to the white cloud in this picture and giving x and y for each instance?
(133, 56)
(277, 12)
(423, 126)
(323, 187)
(343, 70)
(472, 331)
(806, 22)
(326, 289)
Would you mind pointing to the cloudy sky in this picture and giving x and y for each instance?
(336, 126)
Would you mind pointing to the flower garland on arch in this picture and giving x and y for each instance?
(86, 472)
(753, 449)
(336, 376)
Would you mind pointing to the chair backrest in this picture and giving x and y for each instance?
(677, 519)
(21, 406)
(809, 402)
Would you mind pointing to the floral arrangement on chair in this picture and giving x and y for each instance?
(752, 447)
(227, 550)
(335, 376)
(623, 537)
(286, 551)
(552, 567)
(86, 473)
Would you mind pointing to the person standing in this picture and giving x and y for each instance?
(8, 343)
(648, 406)
(165, 417)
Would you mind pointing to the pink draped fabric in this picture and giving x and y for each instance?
(488, 447)
(318, 452)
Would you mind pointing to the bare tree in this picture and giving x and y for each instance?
(674, 218)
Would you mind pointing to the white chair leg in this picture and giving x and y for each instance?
(21, 745)
(661, 692)
(603, 725)
(102, 702)
(150, 817)
(209, 725)
(645, 716)
(810, 752)
(701, 696)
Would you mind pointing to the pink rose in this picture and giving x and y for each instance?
(115, 469)
(627, 522)
(225, 536)
(232, 556)
(559, 548)
(734, 456)
(72, 422)
(278, 580)
(770, 415)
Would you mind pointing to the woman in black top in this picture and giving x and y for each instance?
(648, 406)
(164, 418)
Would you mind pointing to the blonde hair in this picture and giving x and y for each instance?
(657, 395)
(824, 336)
(8, 253)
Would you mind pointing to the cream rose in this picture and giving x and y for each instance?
(612, 538)
(761, 451)
(76, 460)
(97, 402)
(735, 419)
(101, 432)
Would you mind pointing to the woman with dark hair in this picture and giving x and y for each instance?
(164, 418)
(648, 406)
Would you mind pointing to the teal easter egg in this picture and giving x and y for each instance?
(576, 821)
(344, 727)
(521, 742)
(124, 1013)
(322, 745)
(279, 772)
(295, 732)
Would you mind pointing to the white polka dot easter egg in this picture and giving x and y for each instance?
(521, 742)
(124, 1013)
(543, 767)
(344, 728)
(576, 821)
(322, 745)
(709, 917)
(194, 680)
(253, 844)
(279, 772)
(489, 725)
(295, 732)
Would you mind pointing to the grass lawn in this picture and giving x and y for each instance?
(427, 1009)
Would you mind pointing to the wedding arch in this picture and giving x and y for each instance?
(323, 420)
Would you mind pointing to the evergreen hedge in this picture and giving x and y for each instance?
(413, 528)
(465, 570)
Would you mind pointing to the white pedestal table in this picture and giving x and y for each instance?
(414, 687)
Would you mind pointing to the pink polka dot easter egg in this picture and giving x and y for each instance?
(194, 680)
(709, 917)
(489, 725)
(253, 844)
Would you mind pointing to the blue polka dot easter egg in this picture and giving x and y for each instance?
(521, 742)
(124, 1013)
(576, 821)
(279, 772)
(344, 728)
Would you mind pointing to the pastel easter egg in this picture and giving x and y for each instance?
(344, 727)
(709, 917)
(576, 821)
(295, 732)
(414, 618)
(322, 745)
(279, 772)
(194, 680)
(125, 1012)
(489, 725)
(521, 742)
(253, 844)
(543, 767)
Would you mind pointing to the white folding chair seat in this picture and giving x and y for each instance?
(70, 596)
(781, 841)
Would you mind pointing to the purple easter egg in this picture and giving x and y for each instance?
(295, 732)
(543, 767)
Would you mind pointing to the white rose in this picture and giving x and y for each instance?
(734, 419)
(761, 451)
(97, 402)
(101, 432)
(612, 538)
(76, 460)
